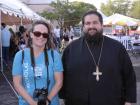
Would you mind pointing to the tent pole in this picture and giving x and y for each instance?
(1, 58)
(21, 23)
(112, 28)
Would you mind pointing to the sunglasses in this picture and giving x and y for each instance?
(38, 34)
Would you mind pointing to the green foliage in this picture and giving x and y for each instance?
(107, 9)
(116, 6)
(125, 7)
(135, 10)
(49, 15)
(67, 13)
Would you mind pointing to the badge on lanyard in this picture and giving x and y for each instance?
(38, 71)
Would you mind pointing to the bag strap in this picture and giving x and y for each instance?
(52, 54)
(22, 56)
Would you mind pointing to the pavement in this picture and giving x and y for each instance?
(8, 97)
(138, 93)
(136, 64)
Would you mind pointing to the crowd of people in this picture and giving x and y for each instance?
(12, 42)
(86, 74)
(63, 36)
(15, 41)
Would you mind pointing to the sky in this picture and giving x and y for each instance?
(96, 3)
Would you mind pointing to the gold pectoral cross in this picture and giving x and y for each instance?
(97, 73)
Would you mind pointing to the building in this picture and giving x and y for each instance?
(39, 5)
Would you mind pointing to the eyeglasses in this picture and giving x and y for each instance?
(38, 34)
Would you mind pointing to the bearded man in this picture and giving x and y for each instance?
(97, 69)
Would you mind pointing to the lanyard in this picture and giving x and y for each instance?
(46, 63)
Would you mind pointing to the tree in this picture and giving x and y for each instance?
(107, 9)
(49, 15)
(116, 6)
(80, 8)
(67, 13)
(135, 10)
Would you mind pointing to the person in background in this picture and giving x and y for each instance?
(13, 44)
(61, 33)
(71, 33)
(21, 37)
(97, 69)
(21, 31)
(37, 70)
(65, 40)
(57, 34)
(6, 36)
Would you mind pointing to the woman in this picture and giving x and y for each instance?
(38, 70)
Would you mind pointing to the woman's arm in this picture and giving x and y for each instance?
(17, 80)
(57, 86)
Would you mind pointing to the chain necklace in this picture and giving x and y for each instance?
(97, 73)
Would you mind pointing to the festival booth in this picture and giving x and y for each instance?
(14, 12)
(14, 20)
(120, 20)
(120, 26)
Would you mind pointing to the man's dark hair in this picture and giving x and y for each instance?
(21, 29)
(94, 12)
(3, 25)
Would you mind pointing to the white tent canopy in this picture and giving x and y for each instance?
(7, 10)
(118, 19)
(18, 9)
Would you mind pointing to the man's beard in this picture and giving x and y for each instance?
(95, 38)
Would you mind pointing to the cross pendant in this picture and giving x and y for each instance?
(97, 73)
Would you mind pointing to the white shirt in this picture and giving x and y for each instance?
(57, 32)
(71, 32)
(6, 35)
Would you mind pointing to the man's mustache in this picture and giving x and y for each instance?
(92, 29)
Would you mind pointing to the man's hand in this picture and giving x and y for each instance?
(34, 103)
(47, 103)
(127, 103)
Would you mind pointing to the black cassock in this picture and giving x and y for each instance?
(116, 85)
